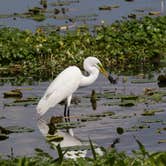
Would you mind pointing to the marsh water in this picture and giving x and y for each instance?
(110, 114)
(75, 13)
(98, 124)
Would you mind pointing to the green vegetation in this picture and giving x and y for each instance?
(110, 158)
(124, 45)
(5, 131)
(130, 45)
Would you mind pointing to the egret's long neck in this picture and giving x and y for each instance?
(87, 80)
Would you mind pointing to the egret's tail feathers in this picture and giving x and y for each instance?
(48, 101)
(42, 107)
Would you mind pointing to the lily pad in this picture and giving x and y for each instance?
(25, 100)
(3, 130)
(56, 138)
(127, 103)
(36, 13)
(131, 97)
(35, 10)
(39, 17)
(13, 93)
(161, 129)
(68, 125)
(105, 7)
(142, 81)
(132, 15)
(149, 113)
(18, 129)
(110, 95)
(120, 130)
(64, 3)
(108, 113)
(156, 97)
(137, 128)
(92, 118)
(152, 121)
(162, 141)
(154, 13)
(56, 119)
(21, 103)
(3, 137)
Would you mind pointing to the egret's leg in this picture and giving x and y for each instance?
(65, 109)
(68, 107)
(66, 112)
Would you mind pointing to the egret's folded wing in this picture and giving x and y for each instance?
(63, 86)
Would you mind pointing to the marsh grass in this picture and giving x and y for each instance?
(129, 45)
(110, 157)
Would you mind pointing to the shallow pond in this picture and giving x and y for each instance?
(140, 114)
(100, 125)
(75, 12)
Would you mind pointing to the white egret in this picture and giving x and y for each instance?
(67, 82)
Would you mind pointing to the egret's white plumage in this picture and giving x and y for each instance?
(67, 82)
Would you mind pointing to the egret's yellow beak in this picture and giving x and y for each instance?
(102, 70)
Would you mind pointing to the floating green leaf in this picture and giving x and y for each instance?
(3, 137)
(127, 103)
(13, 93)
(56, 138)
(142, 81)
(162, 141)
(149, 113)
(120, 130)
(18, 129)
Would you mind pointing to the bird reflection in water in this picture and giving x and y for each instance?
(63, 137)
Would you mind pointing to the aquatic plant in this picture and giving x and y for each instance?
(130, 45)
(110, 157)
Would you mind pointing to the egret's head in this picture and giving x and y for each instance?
(94, 62)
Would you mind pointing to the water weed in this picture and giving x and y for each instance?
(131, 45)
(110, 157)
